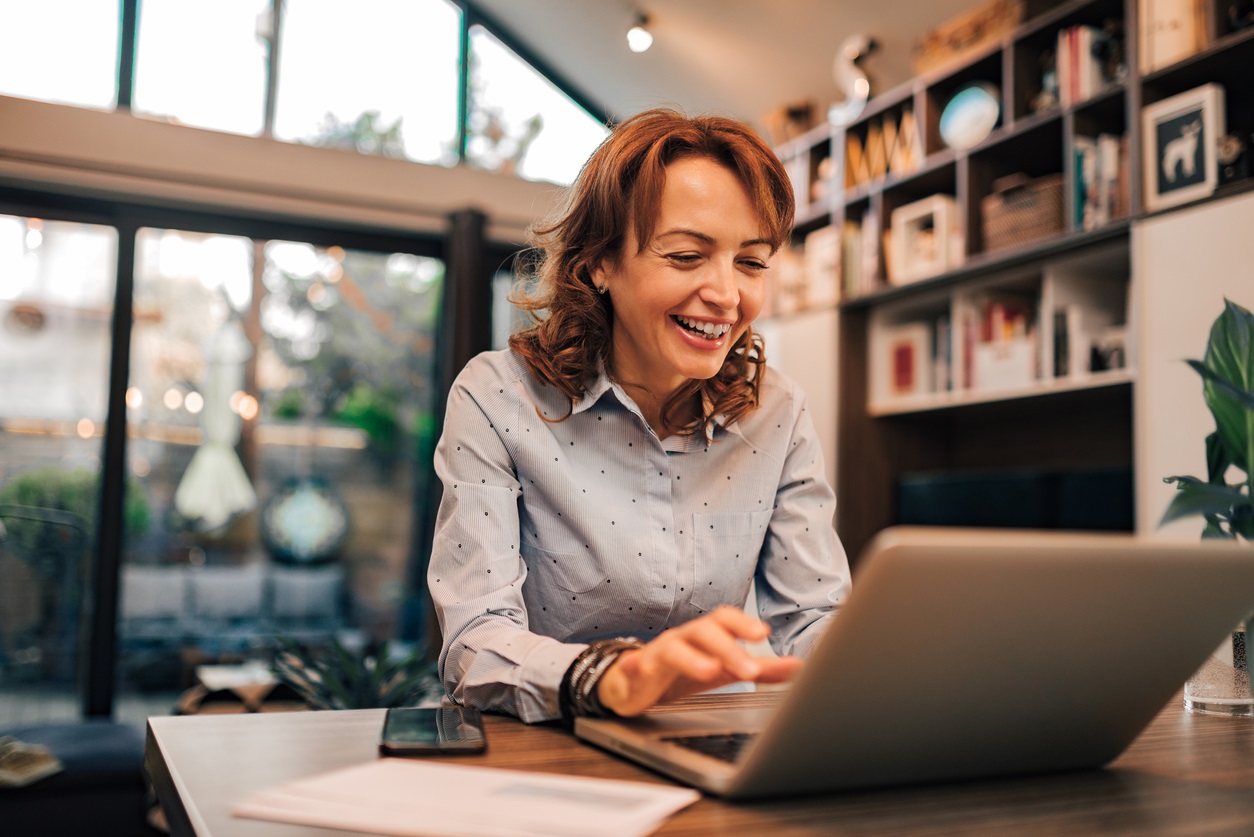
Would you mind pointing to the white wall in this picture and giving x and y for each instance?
(113, 154)
(803, 346)
(1183, 263)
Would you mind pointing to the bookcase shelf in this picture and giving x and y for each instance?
(1092, 143)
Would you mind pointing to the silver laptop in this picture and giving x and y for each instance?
(965, 654)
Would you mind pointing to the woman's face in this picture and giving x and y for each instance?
(685, 298)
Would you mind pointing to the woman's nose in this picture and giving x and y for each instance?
(721, 288)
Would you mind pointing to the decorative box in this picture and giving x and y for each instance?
(1021, 210)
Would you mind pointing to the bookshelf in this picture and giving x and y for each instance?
(962, 349)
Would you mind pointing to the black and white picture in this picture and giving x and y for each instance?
(1181, 144)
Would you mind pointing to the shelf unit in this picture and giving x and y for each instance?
(1031, 416)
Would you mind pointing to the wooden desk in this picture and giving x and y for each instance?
(1186, 774)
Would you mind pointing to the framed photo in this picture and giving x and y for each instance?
(924, 238)
(901, 361)
(1182, 146)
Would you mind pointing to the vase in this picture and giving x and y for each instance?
(1222, 685)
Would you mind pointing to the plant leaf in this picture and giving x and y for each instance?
(1194, 497)
(1229, 391)
(1217, 458)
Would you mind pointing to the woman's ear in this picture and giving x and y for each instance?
(600, 277)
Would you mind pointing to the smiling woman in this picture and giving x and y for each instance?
(617, 478)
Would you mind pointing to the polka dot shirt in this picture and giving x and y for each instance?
(553, 533)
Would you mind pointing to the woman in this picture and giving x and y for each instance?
(616, 479)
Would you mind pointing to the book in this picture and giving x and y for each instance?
(851, 259)
(22, 763)
(876, 159)
(821, 253)
(906, 362)
(855, 165)
(1169, 32)
(908, 151)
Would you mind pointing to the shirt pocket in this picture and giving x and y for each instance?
(569, 571)
(727, 545)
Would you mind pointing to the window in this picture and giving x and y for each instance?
(56, 304)
(277, 405)
(385, 79)
(63, 51)
(201, 67)
(381, 80)
(519, 122)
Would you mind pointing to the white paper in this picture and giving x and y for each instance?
(407, 797)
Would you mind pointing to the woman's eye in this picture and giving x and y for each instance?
(684, 258)
(754, 265)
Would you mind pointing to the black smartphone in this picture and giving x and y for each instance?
(444, 729)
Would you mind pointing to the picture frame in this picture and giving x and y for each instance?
(1181, 152)
(925, 240)
(902, 362)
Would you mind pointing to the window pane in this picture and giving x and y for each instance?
(56, 302)
(519, 121)
(297, 381)
(382, 80)
(204, 70)
(60, 51)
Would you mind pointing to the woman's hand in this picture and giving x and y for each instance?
(702, 654)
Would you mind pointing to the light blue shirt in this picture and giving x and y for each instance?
(552, 534)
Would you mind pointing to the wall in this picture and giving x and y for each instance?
(1184, 264)
(85, 152)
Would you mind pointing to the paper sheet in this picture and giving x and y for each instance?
(424, 799)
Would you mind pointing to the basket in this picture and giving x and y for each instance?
(1021, 210)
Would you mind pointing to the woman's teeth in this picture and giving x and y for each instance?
(710, 331)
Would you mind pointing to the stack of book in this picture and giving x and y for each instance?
(1102, 180)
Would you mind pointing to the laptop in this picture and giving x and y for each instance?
(965, 654)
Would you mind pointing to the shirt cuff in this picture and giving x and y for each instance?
(547, 665)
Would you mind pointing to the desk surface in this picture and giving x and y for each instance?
(1186, 774)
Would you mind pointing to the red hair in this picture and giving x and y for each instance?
(622, 184)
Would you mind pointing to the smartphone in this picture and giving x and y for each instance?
(420, 731)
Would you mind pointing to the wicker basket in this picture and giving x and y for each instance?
(1021, 210)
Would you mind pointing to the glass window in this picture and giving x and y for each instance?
(280, 396)
(519, 122)
(203, 67)
(381, 80)
(62, 51)
(57, 283)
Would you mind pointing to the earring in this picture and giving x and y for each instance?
(601, 289)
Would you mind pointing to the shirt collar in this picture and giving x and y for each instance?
(602, 384)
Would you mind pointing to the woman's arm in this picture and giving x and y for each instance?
(489, 660)
(803, 573)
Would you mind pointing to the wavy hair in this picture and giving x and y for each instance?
(620, 184)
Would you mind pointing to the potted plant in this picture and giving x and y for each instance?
(1227, 370)
(335, 678)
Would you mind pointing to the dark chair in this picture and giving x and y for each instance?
(100, 792)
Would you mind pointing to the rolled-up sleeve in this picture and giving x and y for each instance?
(489, 659)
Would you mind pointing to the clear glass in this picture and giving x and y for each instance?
(57, 283)
(519, 122)
(279, 397)
(1222, 685)
(63, 51)
(382, 80)
(201, 67)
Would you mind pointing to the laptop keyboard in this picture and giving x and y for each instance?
(724, 746)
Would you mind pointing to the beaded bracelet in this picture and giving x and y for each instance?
(578, 694)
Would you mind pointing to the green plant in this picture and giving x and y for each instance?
(70, 491)
(373, 410)
(1227, 371)
(335, 678)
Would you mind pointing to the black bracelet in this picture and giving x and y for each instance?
(577, 696)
